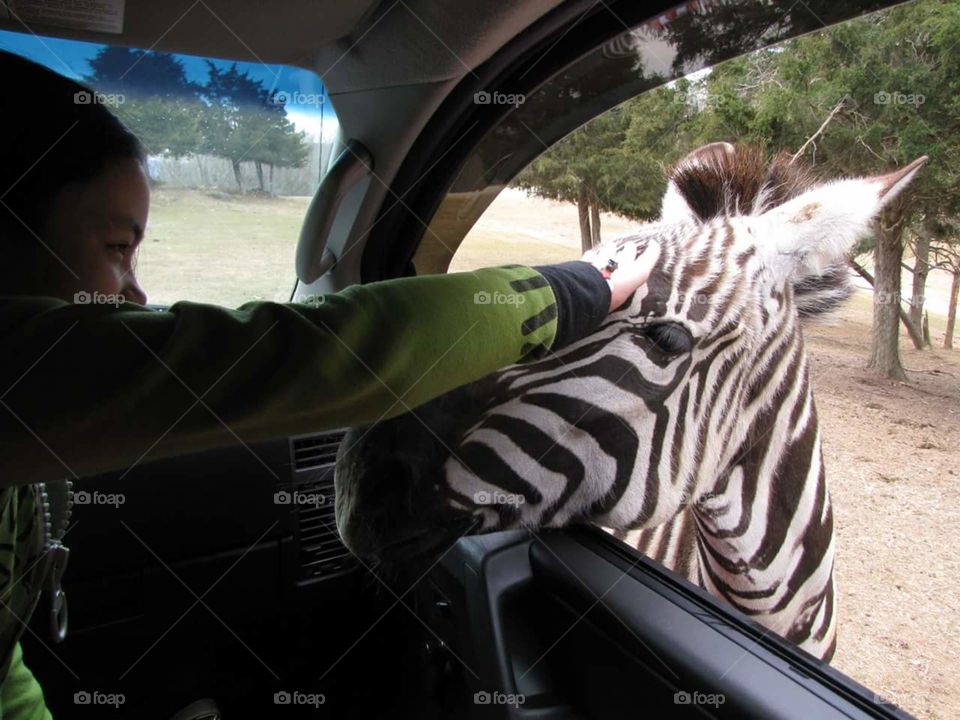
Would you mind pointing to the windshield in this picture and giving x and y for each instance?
(235, 152)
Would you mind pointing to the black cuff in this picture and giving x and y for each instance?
(583, 299)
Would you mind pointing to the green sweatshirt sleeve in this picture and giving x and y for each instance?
(92, 388)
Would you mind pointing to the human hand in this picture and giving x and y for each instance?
(630, 272)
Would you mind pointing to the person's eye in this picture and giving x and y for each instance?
(670, 338)
(122, 248)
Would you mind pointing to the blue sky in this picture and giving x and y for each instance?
(301, 87)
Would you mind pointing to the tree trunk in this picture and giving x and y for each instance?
(259, 166)
(237, 175)
(583, 209)
(203, 177)
(888, 255)
(952, 309)
(595, 224)
(271, 178)
(921, 268)
(912, 330)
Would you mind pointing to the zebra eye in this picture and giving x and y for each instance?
(670, 338)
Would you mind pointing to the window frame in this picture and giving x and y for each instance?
(569, 35)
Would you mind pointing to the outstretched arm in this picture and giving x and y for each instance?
(89, 389)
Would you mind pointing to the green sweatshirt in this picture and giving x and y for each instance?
(88, 389)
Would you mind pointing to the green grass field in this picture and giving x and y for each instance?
(225, 251)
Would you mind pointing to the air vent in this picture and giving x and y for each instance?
(321, 553)
(310, 452)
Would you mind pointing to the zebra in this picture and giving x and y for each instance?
(685, 425)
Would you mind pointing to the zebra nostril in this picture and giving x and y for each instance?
(390, 494)
(385, 504)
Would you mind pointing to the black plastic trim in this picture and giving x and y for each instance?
(460, 123)
(769, 676)
(532, 58)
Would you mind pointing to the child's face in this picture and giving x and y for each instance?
(93, 232)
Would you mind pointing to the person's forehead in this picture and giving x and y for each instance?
(119, 194)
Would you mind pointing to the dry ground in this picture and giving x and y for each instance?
(891, 452)
(219, 248)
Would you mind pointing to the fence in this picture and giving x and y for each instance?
(207, 171)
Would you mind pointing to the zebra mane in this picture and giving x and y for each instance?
(723, 180)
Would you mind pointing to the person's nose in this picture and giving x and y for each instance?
(131, 290)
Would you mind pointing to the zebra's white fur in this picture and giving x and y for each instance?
(727, 427)
(803, 237)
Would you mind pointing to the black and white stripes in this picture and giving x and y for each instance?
(686, 423)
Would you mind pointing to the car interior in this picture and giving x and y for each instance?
(243, 598)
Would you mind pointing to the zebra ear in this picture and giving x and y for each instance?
(675, 207)
(815, 230)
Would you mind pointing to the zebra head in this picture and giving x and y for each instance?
(630, 425)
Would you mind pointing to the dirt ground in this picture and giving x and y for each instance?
(891, 453)
(893, 464)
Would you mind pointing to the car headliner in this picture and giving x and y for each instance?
(354, 45)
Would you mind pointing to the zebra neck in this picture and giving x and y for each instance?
(768, 528)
